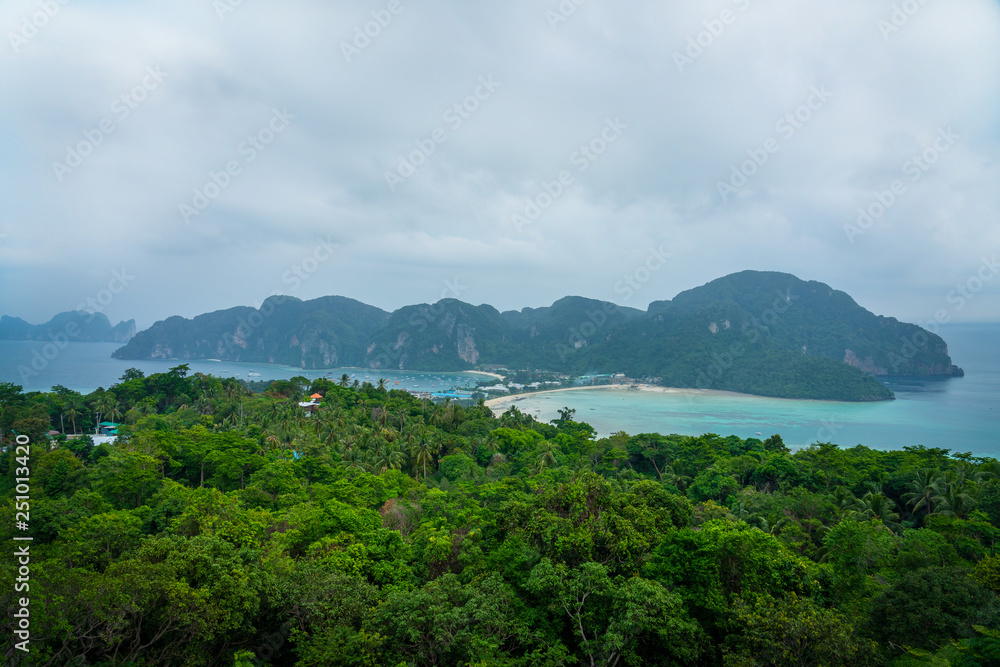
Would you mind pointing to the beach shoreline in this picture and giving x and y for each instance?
(487, 374)
(501, 403)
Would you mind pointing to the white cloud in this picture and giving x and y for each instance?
(325, 175)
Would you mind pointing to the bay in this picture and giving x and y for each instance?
(960, 414)
(85, 367)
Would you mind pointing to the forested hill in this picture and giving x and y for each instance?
(322, 333)
(78, 326)
(224, 529)
(760, 333)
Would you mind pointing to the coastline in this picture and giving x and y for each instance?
(492, 375)
(501, 403)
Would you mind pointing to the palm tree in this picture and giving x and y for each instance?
(328, 433)
(547, 454)
(72, 412)
(354, 459)
(990, 470)
(423, 451)
(876, 505)
(951, 497)
(409, 434)
(923, 491)
(104, 405)
(682, 482)
(583, 464)
(512, 418)
(381, 384)
(348, 444)
(345, 380)
(388, 456)
(846, 502)
(491, 443)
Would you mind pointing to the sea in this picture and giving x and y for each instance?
(959, 414)
(85, 367)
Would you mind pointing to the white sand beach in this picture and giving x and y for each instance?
(492, 375)
(501, 404)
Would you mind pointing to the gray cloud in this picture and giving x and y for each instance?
(690, 121)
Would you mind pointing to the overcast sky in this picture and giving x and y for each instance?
(720, 136)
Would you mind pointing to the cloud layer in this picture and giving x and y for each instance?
(216, 151)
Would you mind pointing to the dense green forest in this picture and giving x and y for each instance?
(763, 333)
(229, 529)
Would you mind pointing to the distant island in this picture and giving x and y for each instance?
(77, 326)
(761, 333)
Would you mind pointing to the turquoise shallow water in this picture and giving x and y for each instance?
(961, 414)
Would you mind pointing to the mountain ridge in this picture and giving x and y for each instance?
(764, 333)
(75, 325)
